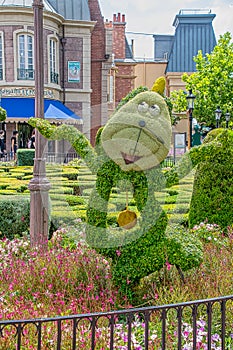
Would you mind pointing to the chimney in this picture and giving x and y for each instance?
(119, 25)
(108, 24)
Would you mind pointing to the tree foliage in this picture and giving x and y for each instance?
(212, 83)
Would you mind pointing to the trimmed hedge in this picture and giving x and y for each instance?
(25, 156)
(213, 190)
(15, 216)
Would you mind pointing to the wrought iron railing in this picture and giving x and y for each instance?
(56, 157)
(51, 157)
(175, 326)
(25, 74)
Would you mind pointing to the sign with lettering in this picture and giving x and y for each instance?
(23, 92)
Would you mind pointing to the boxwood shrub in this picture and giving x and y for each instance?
(15, 216)
(213, 190)
(25, 156)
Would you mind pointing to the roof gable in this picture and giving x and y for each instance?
(72, 9)
(194, 32)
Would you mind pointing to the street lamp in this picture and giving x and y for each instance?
(190, 99)
(39, 184)
(218, 114)
(227, 116)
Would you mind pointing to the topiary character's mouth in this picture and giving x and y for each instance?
(130, 158)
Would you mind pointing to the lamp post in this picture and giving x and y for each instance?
(227, 116)
(218, 114)
(190, 99)
(39, 185)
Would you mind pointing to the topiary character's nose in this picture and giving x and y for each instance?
(142, 123)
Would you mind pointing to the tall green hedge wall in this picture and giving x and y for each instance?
(212, 197)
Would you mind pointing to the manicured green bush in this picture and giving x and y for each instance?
(213, 190)
(15, 215)
(25, 156)
(179, 219)
(61, 217)
(184, 249)
(70, 173)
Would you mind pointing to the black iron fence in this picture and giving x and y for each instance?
(56, 157)
(202, 324)
(51, 157)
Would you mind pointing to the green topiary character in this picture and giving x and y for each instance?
(212, 190)
(128, 153)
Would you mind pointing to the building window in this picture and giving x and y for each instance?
(53, 61)
(1, 57)
(25, 57)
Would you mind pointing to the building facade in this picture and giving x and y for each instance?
(76, 65)
(89, 66)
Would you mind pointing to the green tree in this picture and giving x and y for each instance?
(212, 83)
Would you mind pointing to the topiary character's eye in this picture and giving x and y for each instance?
(154, 110)
(143, 107)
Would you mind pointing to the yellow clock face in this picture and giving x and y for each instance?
(127, 219)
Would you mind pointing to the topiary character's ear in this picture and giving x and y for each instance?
(159, 85)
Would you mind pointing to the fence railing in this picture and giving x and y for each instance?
(55, 157)
(200, 324)
(51, 157)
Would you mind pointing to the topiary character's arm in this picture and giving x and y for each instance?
(67, 132)
(43, 126)
(189, 161)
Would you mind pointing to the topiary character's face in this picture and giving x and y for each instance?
(138, 136)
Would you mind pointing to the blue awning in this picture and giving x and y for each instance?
(24, 108)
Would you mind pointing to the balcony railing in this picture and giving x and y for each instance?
(201, 324)
(54, 77)
(25, 74)
(1, 74)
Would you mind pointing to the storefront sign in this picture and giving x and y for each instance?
(23, 92)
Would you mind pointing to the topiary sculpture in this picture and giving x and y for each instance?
(212, 190)
(128, 153)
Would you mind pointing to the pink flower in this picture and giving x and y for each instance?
(118, 252)
(168, 265)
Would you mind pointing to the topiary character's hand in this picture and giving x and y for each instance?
(3, 114)
(43, 126)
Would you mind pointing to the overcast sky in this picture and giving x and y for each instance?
(150, 17)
